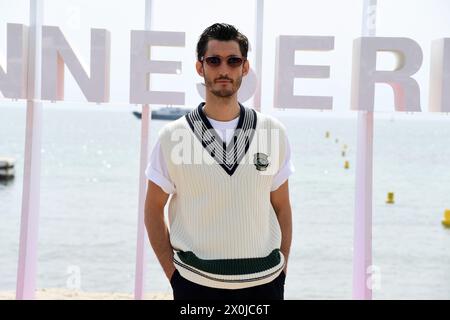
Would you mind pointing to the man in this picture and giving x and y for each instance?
(229, 213)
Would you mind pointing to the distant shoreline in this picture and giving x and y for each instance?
(380, 114)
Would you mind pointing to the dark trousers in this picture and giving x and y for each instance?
(184, 289)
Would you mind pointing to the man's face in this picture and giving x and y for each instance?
(223, 80)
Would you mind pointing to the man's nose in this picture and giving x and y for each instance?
(224, 76)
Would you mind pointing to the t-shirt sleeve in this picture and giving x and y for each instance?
(157, 172)
(286, 169)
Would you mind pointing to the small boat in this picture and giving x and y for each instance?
(6, 168)
(165, 113)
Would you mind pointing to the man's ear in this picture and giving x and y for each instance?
(199, 67)
(245, 68)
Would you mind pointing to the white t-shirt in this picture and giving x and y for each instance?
(157, 169)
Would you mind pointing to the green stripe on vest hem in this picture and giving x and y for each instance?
(231, 266)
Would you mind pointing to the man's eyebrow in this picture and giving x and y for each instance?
(218, 55)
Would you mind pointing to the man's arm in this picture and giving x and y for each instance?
(280, 202)
(157, 230)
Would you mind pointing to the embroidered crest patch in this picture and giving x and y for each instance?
(260, 161)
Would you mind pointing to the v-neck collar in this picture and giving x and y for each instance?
(227, 156)
(210, 127)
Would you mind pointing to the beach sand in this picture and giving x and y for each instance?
(67, 294)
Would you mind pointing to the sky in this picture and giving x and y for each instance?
(421, 20)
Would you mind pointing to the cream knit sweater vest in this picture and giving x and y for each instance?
(223, 228)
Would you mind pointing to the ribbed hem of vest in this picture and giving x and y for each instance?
(258, 270)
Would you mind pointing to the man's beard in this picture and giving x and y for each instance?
(225, 92)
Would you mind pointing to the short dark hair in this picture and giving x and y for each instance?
(222, 32)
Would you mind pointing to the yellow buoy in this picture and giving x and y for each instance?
(346, 164)
(446, 221)
(344, 147)
(327, 134)
(390, 197)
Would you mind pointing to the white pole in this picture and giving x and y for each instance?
(258, 52)
(144, 158)
(27, 265)
(362, 241)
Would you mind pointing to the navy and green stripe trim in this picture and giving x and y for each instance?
(206, 276)
(228, 267)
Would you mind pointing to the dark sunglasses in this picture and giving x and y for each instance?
(215, 61)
